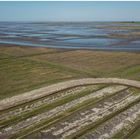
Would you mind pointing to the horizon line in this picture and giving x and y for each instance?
(71, 21)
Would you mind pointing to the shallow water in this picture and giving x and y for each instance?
(85, 35)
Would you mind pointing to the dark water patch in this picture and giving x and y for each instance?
(121, 48)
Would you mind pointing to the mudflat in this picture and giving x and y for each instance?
(106, 36)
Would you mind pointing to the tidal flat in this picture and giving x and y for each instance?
(109, 36)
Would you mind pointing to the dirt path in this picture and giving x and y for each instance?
(38, 93)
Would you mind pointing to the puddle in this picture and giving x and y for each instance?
(93, 41)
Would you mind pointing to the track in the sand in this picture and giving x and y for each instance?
(83, 108)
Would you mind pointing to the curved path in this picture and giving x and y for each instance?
(38, 93)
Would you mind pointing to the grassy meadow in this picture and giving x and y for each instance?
(26, 68)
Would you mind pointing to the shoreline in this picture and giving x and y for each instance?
(70, 48)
